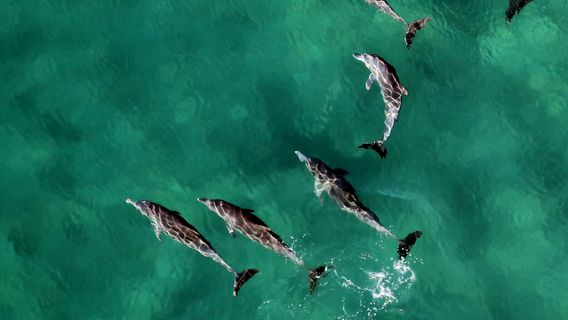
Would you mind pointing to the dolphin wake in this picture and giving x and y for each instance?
(386, 287)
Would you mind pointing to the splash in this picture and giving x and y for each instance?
(385, 287)
(382, 290)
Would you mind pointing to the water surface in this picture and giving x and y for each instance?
(171, 100)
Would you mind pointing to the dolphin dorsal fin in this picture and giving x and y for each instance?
(369, 82)
(340, 171)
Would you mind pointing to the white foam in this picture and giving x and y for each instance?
(385, 286)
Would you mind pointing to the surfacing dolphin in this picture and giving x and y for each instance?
(174, 225)
(334, 183)
(515, 6)
(385, 7)
(252, 227)
(412, 28)
(391, 90)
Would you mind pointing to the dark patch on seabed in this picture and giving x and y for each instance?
(23, 241)
(58, 178)
(75, 231)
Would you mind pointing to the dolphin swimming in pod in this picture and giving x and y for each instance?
(412, 28)
(385, 7)
(515, 6)
(334, 183)
(174, 225)
(252, 227)
(392, 91)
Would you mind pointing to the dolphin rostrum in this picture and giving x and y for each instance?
(515, 6)
(174, 225)
(412, 28)
(252, 227)
(391, 90)
(334, 183)
(385, 7)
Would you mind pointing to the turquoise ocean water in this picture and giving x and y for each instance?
(170, 100)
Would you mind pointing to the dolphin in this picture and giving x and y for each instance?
(391, 90)
(385, 7)
(515, 6)
(412, 28)
(252, 227)
(174, 225)
(334, 183)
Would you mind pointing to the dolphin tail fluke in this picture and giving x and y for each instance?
(241, 278)
(404, 245)
(412, 28)
(409, 37)
(314, 275)
(377, 146)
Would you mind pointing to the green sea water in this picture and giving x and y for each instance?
(170, 100)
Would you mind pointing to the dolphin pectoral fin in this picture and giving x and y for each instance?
(231, 230)
(156, 231)
(318, 190)
(369, 82)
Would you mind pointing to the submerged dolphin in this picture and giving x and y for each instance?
(412, 28)
(515, 6)
(174, 225)
(252, 227)
(391, 90)
(333, 182)
(385, 7)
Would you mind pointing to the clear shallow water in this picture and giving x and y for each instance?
(171, 100)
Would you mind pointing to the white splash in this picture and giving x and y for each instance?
(385, 286)
(382, 290)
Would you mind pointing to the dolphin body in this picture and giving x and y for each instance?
(174, 225)
(392, 91)
(252, 227)
(515, 6)
(333, 182)
(385, 7)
